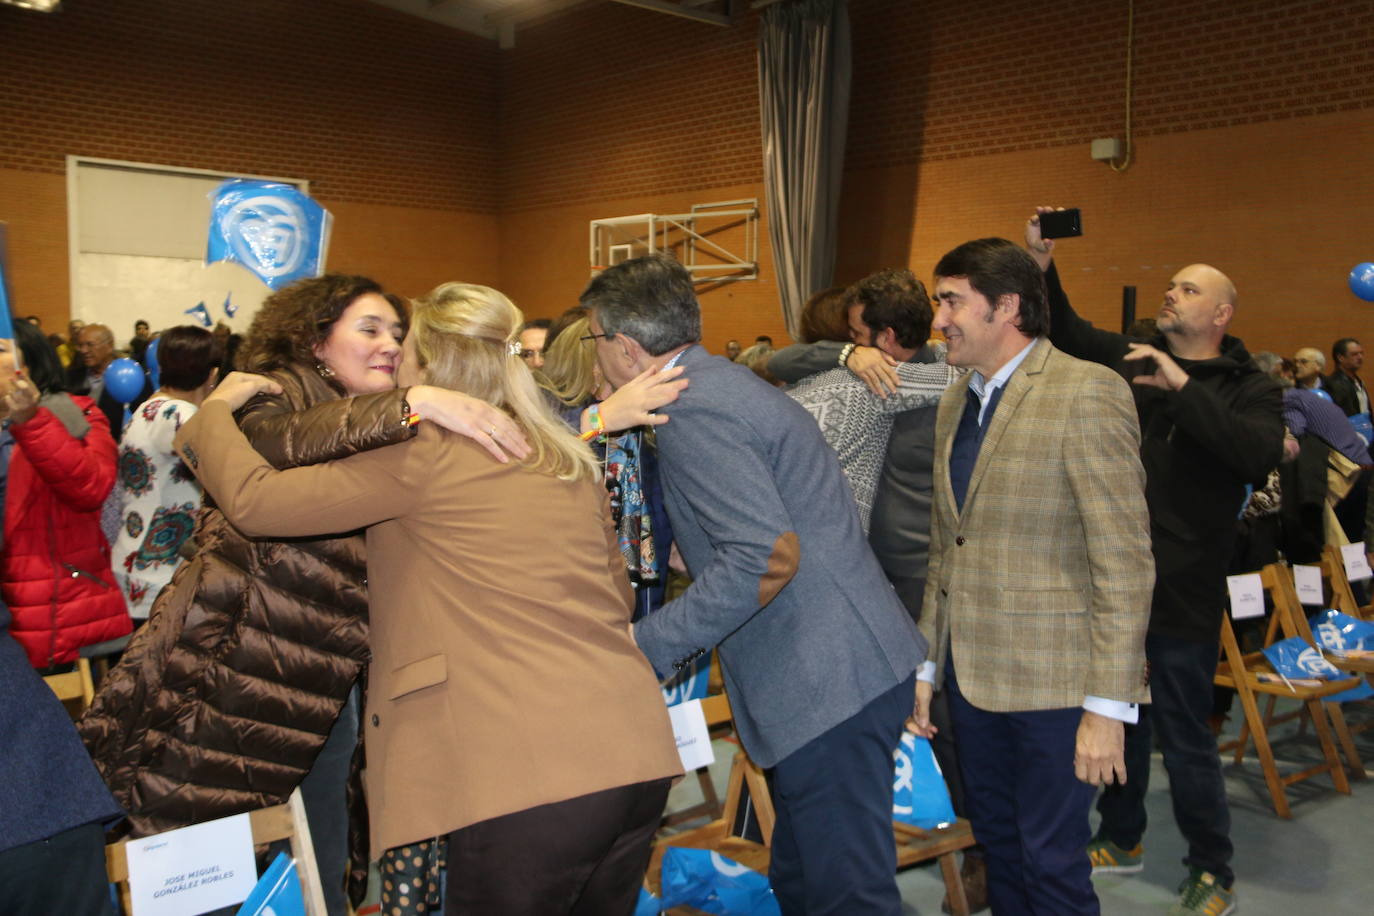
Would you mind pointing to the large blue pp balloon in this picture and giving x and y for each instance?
(150, 362)
(124, 380)
(1362, 281)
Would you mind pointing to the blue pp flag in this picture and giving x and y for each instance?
(691, 683)
(6, 322)
(278, 891)
(1294, 658)
(200, 313)
(273, 229)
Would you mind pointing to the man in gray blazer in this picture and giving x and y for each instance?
(818, 653)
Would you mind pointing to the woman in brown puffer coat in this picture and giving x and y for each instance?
(223, 702)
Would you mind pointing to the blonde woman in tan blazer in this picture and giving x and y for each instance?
(509, 709)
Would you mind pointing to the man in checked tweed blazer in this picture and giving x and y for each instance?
(1040, 577)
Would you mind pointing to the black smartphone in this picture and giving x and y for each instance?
(1061, 224)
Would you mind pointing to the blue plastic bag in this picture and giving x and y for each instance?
(919, 794)
(1294, 658)
(278, 891)
(710, 882)
(648, 904)
(273, 229)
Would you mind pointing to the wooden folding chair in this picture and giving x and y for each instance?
(75, 689)
(917, 845)
(1251, 675)
(1342, 597)
(1296, 624)
(720, 834)
(1338, 584)
(280, 822)
(747, 780)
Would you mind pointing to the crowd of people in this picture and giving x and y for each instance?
(426, 529)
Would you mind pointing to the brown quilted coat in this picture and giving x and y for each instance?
(224, 699)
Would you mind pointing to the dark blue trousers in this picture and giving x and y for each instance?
(1027, 808)
(1181, 699)
(62, 874)
(833, 851)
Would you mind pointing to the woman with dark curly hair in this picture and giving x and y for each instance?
(232, 693)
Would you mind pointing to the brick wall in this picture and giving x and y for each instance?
(372, 106)
(1249, 122)
(1287, 225)
(445, 157)
(953, 79)
(610, 102)
(392, 119)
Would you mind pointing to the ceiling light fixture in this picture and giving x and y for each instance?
(42, 6)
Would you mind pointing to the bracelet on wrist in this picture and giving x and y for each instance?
(597, 424)
(845, 352)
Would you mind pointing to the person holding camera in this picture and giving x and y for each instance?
(1211, 423)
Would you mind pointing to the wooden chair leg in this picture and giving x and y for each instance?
(708, 792)
(1264, 752)
(1243, 739)
(1346, 739)
(954, 885)
(1328, 746)
(1269, 703)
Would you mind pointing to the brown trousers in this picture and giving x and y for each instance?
(582, 857)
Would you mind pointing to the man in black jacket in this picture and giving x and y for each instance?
(1210, 424)
(1348, 392)
(1344, 384)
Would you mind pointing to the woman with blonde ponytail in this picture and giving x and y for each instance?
(463, 338)
(510, 716)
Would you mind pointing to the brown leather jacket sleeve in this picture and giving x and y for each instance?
(308, 423)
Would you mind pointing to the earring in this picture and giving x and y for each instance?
(324, 371)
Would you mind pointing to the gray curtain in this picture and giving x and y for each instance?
(804, 74)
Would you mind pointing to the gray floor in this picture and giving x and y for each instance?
(1320, 862)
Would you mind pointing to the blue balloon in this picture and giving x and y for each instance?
(124, 380)
(1362, 281)
(150, 362)
(1321, 393)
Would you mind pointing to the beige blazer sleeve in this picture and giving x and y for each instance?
(1101, 455)
(330, 498)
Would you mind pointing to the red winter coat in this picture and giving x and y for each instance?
(55, 566)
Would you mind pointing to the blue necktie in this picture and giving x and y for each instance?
(968, 439)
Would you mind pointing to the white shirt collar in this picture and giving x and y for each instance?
(985, 387)
(677, 356)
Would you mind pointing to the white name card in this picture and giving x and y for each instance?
(1308, 580)
(1247, 596)
(1356, 562)
(192, 870)
(693, 737)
